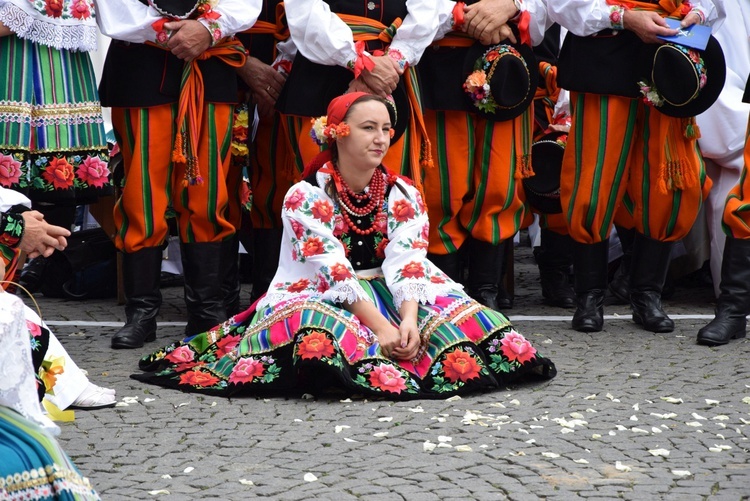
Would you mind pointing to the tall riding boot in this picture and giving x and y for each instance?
(648, 271)
(590, 281)
(204, 297)
(734, 300)
(230, 275)
(619, 286)
(141, 273)
(448, 264)
(504, 298)
(554, 258)
(266, 249)
(485, 271)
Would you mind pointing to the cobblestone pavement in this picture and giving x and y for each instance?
(631, 415)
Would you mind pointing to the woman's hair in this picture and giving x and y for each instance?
(363, 99)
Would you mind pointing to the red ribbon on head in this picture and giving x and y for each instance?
(337, 110)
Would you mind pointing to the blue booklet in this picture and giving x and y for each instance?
(695, 36)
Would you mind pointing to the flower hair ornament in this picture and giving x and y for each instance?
(323, 133)
(477, 84)
(682, 61)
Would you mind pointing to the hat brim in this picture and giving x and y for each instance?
(501, 114)
(716, 67)
(542, 190)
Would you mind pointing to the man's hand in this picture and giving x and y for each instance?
(487, 20)
(189, 39)
(690, 20)
(265, 83)
(647, 25)
(383, 78)
(41, 238)
(357, 85)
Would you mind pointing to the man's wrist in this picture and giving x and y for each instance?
(617, 17)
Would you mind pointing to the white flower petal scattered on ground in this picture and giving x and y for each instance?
(620, 427)
(530, 441)
(693, 423)
(213, 404)
(157, 492)
(309, 477)
(428, 446)
(576, 415)
(463, 448)
(454, 398)
(121, 404)
(634, 374)
(547, 341)
(612, 433)
(380, 434)
(340, 428)
(590, 397)
(745, 421)
(566, 430)
(483, 446)
(612, 397)
(444, 445)
(719, 435)
(596, 435)
(668, 415)
(622, 467)
(672, 400)
(443, 438)
(245, 481)
(183, 404)
(654, 429)
(307, 396)
(297, 420)
(746, 400)
(347, 439)
(523, 431)
(386, 419)
(720, 417)
(681, 473)
(698, 416)
(580, 461)
(634, 418)
(719, 448)
(638, 430)
(593, 411)
(166, 477)
(519, 453)
(712, 402)
(149, 399)
(416, 409)
(130, 400)
(188, 469)
(515, 401)
(346, 401)
(635, 408)
(659, 452)
(536, 426)
(550, 455)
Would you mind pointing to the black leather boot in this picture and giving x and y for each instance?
(32, 274)
(485, 271)
(648, 271)
(555, 260)
(590, 281)
(230, 273)
(141, 273)
(448, 264)
(619, 286)
(733, 304)
(266, 249)
(204, 297)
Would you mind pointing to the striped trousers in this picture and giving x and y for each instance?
(613, 171)
(473, 189)
(153, 184)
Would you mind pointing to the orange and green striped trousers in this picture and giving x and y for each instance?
(473, 189)
(613, 171)
(153, 184)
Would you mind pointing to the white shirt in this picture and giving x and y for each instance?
(130, 20)
(323, 38)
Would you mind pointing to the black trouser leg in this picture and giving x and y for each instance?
(590, 280)
(619, 286)
(554, 258)
(485, 271)
(204, 298)
(230, 275)
(266, 249)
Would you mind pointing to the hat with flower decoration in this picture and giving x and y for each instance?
(501, 79)
(684, 82)
(543, 188)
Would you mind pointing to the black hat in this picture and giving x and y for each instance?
(685, 82)
(400, 111)
(543, 188)
(500, 80)
(175, 8)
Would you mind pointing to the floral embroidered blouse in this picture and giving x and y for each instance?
(322, 259)
(62, 24)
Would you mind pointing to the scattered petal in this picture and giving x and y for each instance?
(720, 417)
(188, 469)
(698, 416)
(443, 438)
(590, 397)
(634, 374)
(183, 404)
(308, 396)
(380, 434)
(681, 473)
(634, 417)
(428, 446)
(309, 477)
(672, 400)
(622, 467)
(654, 429)
(611, 397)
(659, 452)
(213, 404)
(550, 455)
(454, 398)
(596, 435)
(417, 409)
(547, 341)
(346, 401)
(149, 399)
(347, 439)
(387, 419)
(531, 441)
(746, 400)
(121, 404)
(620, 427)
(340, 428)
(245, 481)
(576, 415)
(638, 430)
(668, 415)
(693, 423)
(719, 435)
(567, 430)
(515, 401)
(612, 433)
(580, 461)
(297, 420)
(712, 402)
(167, 477)
(719, 448)
(463, 448)
(160, 491)
(444, 445)
(498, 404)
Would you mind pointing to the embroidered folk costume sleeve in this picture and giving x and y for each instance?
(132, 21)
(324, 38)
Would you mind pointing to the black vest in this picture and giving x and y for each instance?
(261, 46)
(310, 86)
(139, 76)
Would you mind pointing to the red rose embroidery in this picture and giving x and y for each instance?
(413, 270)
(10, 170)
(93, 171)
(80, 9)
(59, 173)
(294, 200)
(312, 246)
(460, 366)
(323, 210)
(198, 378)
(315, 346)
(245, 370)
(53, 8)
(402, 211)
(299, 285)
(380, 249)
(387, 378)
(340, 272)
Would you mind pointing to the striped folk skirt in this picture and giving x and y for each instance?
(314, 346)
(52, 139)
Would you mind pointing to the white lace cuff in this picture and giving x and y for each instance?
(422, 293)
(80, 37)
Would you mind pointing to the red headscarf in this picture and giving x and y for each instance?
(337, 110)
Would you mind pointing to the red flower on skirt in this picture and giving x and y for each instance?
(198, 378)
(59, 173)
(315, 346)
(460, 366)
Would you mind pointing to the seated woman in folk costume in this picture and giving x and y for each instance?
(355, 303)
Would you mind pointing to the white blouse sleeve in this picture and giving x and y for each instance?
(312, 262)
(408, 273)
(580, 17)
(235, 16)
(417, 30)
(319, 34)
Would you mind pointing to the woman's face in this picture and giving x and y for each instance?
(369, 136)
